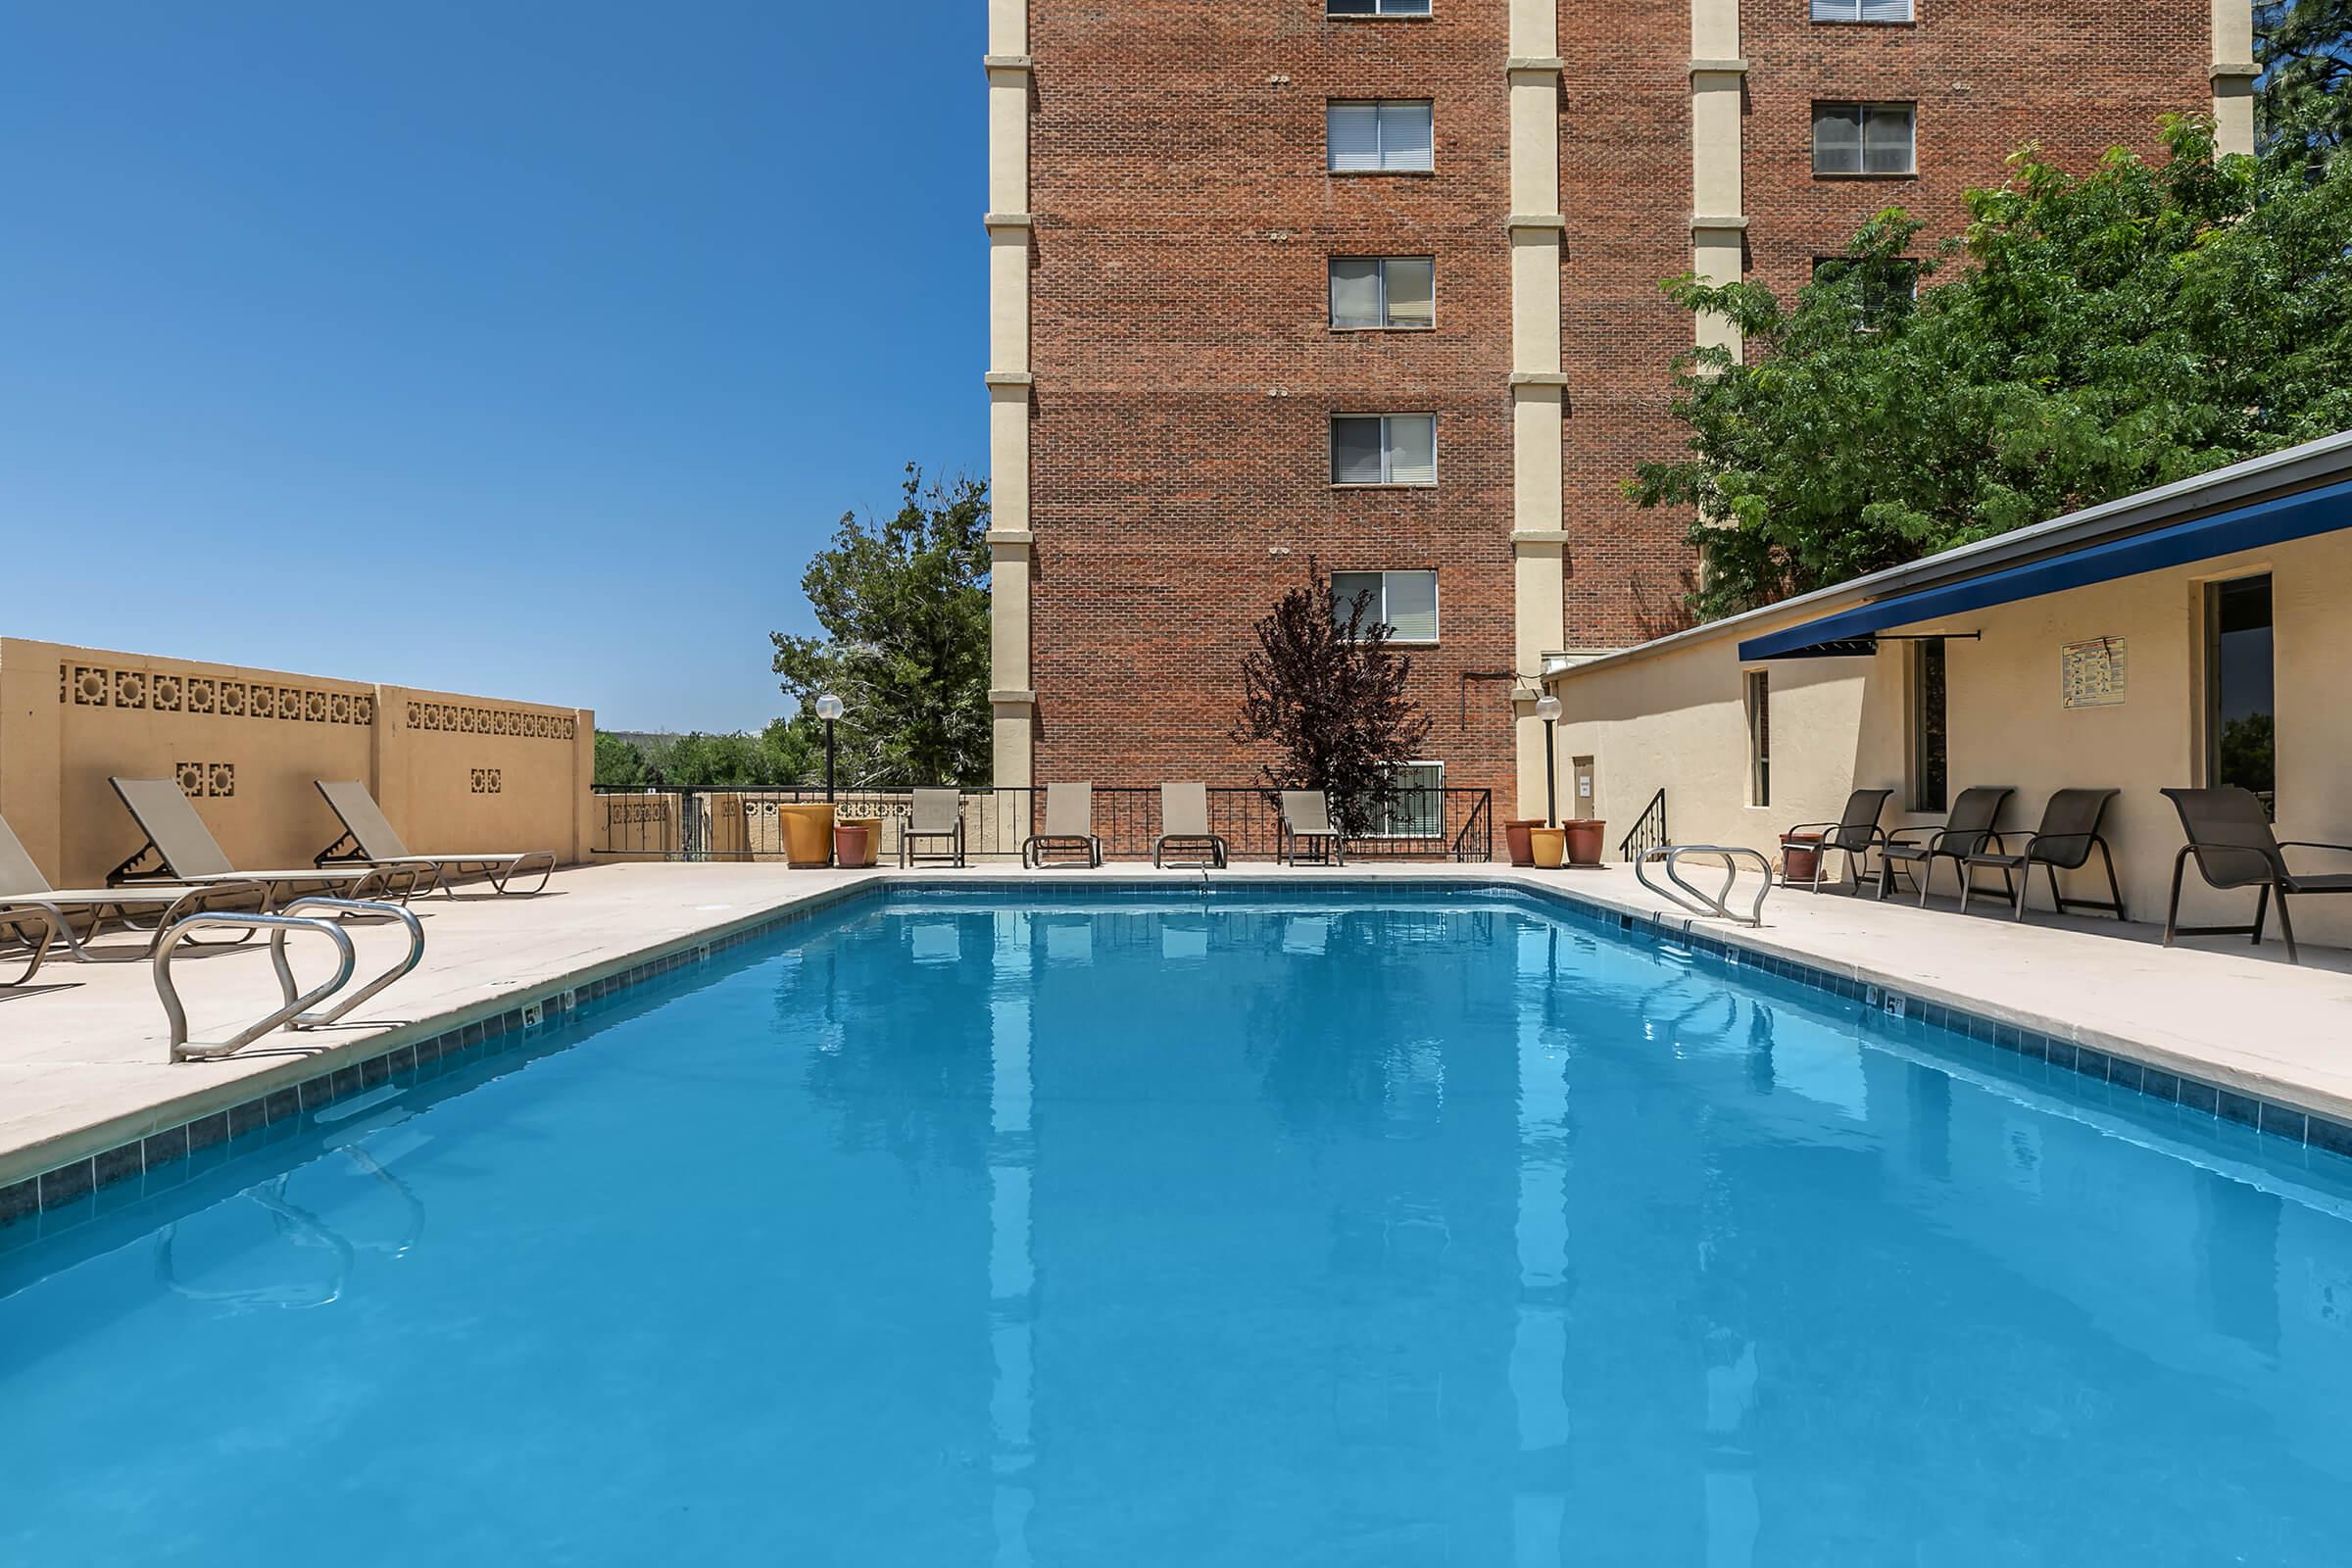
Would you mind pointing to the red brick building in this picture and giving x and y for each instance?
(1372, 286)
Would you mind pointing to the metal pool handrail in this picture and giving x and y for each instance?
(300, 1008)
(1683, 895)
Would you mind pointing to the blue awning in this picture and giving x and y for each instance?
(2249, 527)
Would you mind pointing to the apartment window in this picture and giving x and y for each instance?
(1930, 765)
(1389, 137)
(1377, 8)
(1759, 737)
(2241, 732)
(1383, 449)
(1418, 808)
(1404, 602)
(1864, 138)
(1881, 292)
(1861, 10)
(1382, 291)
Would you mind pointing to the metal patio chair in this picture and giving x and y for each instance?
(1856, 832)
(1184, 824)
(186, 853)
(1069, 825)
(1967, 830)
(30, 906)
(933, 813)
(2069, 832)
(2231, 839)
(1306, 820)
(368, 840)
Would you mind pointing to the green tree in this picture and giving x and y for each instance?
(1324, 686)
(619, 765)
(904, 604)
(2085, 337)
(788, 753)
(2304, 97)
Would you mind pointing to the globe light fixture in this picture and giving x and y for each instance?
(1548, 708)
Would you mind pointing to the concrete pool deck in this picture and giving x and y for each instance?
(83, 1051)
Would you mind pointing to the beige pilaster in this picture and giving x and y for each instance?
(1536, 234)
(2234, 73)
(1012, 699)
(1718, 216)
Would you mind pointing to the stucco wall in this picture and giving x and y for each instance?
(451, 773)
(1676, 718)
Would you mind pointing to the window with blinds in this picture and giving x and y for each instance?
(1864, 138)
(1383, 449)
(1861, 10)
(1383, 137)
(1404, 602)
(1382, 291)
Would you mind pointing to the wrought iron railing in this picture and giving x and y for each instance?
(1650, 833)
(743, 824)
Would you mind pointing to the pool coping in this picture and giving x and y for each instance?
(174, 1131)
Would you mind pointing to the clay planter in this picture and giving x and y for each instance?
(1584, 839)
(807, 832)
(1547, 844)
(1514, 834)
(1800, 856)
(864, 849)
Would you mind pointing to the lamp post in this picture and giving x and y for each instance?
(1548, 708)
(828, 708)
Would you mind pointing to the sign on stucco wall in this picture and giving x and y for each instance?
(2092, 674)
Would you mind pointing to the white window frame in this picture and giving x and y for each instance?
(1387, 454)
(1385, 323)
(1381, 11)
(1863, 111)
(1377, 105)
(1379, 612)
(1387, 828)
(1853, 11)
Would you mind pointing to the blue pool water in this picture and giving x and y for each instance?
(1205, 1231)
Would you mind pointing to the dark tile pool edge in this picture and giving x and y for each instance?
(77, 1188)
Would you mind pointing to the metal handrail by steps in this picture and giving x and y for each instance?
(300, 1008)
(1698, 902)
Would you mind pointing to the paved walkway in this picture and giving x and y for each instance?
(83, 1051)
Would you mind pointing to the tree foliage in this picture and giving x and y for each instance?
(2085, 337)
(1325, 687)
(2304, 98)
(789, 752)
(904, 604)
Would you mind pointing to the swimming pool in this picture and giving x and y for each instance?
(1220, 1228)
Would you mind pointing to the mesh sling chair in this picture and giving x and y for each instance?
(29, 904)
(1184, 824)
(2230, 838)
(188, 853)
(1306, 820)
(2069, 832)
(1856, 832)
(368, 840)
(1069, 826)
(933, 813)
(1914, 850)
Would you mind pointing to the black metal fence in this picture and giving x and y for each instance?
(743, 824)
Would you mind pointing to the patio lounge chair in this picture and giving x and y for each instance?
(1856, 832)
(190, 855)
(2230, 836)
(1184, 824)
(933, 813)
(28, 902)
(1069, 825)
(2069, 832)
(368, 840)
(1968, 829)
(1306, 820)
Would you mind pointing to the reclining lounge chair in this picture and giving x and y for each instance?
(190, 855)
(933, 813)
(1183, 825)
(1306, 821)
(1968, 829)
(29, 904)
(2231, 839)
(368, 840)
(1069, 825)
(2069, 832)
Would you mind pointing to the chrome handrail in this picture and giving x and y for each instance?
(184, 1049)
(344, 907)
(1683, 895)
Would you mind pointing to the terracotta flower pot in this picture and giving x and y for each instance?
(850, 843)
(807, 832)
(1548, 845)
(1514, 834)
(1800, 856)
(1585, 840)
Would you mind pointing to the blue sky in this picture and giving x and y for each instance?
(519, 349)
